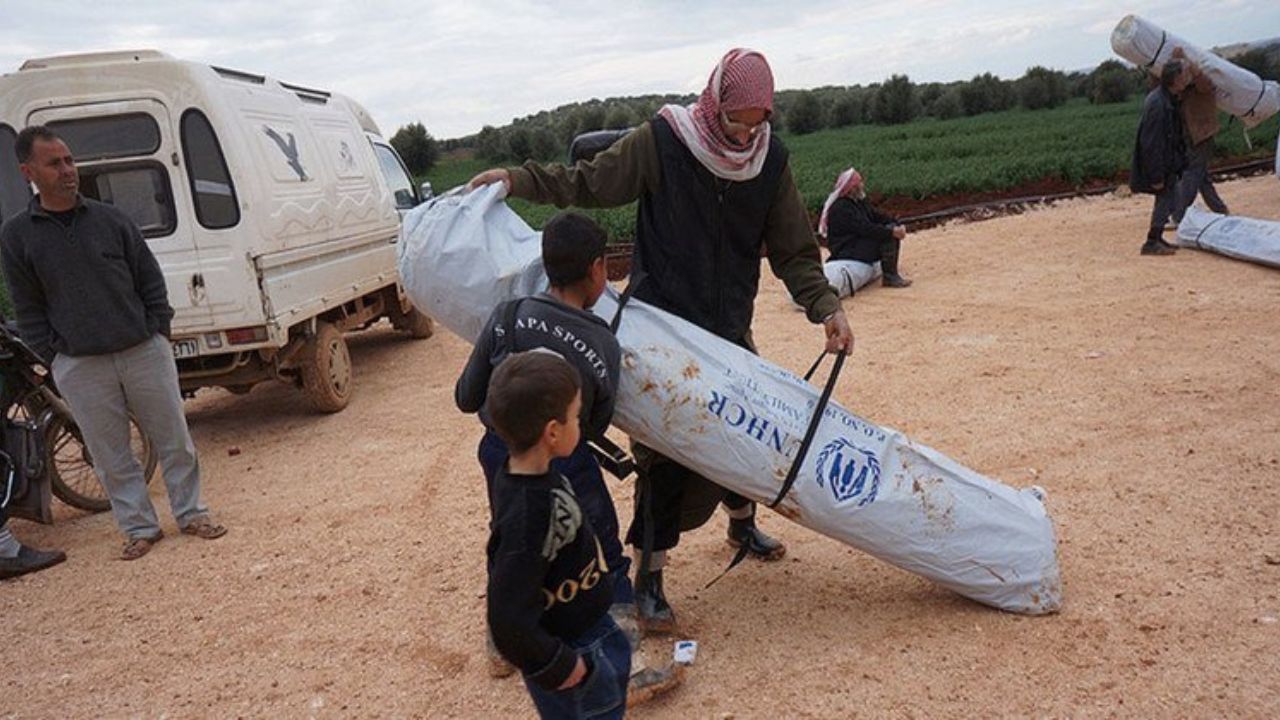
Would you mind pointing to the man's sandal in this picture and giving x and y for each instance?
(203, 527)
(136, 547)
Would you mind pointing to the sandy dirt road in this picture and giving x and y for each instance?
(1142, 393)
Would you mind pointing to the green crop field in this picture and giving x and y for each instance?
(1074, 143)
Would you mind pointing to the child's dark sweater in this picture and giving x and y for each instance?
(547, 573)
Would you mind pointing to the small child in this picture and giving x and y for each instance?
(549, 594)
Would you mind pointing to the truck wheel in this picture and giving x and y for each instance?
(418, 324)
(326, 369)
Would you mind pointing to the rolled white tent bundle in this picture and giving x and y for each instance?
(1238, 237)
(735, 417)
(1239, 91)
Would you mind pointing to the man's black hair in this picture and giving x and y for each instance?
(570, 243)
(27, 139)
(1171, 71)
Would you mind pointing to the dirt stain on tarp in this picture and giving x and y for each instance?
(936, 501)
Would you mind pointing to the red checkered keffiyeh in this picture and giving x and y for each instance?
(848, 180)
(741, 80)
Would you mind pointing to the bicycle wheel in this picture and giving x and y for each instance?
(70, 467)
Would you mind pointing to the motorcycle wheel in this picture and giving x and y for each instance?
(70, 467)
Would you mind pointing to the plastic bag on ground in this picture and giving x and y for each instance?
(846, 276)
(739, 419)
(1232, 235)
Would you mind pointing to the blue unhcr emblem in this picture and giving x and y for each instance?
(852, 472)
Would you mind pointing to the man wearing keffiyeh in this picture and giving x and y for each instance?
(715, 189)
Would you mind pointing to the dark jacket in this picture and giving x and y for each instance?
(541, 321)
(856, 230)
(710, 226)
(89, 288)
(547, 575)
(1159, 153)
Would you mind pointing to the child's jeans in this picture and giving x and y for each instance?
(603, 692)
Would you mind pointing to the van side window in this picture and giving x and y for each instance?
(15, 191)
(397, 177)
(140, 189)
(211, 188)
(111, 136)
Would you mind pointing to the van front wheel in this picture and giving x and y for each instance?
(326, 369)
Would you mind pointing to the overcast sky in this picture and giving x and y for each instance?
(457, 65)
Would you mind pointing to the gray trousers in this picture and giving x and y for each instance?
(1166, 204)
(1196, 181)
(102, 390)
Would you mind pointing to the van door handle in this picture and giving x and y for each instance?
(196, 289)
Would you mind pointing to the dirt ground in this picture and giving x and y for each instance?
(1142, 393)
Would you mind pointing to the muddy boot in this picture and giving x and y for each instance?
(648, 683)
(498, 665)
(656, 615)
(759, 545)
(1152, 247)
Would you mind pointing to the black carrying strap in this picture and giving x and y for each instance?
(612, 458)
(1164, 37)
(637, 277)
(812, 430)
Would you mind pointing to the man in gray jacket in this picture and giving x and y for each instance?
(90, 297)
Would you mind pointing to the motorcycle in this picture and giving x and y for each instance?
(41, 447)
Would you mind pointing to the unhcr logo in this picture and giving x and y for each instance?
(853, 473)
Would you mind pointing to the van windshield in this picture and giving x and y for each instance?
(396, 176)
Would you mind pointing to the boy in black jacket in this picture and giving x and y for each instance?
(549, 592)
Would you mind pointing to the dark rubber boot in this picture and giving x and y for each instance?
(656, 615)
(895, 281)
(759, 545)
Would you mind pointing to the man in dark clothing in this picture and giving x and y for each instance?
(91, 298)
(549, 595)
(1159, 154)
(856, 230)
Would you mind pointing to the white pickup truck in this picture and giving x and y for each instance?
(273, 209)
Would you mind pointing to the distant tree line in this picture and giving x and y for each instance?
(546, 135)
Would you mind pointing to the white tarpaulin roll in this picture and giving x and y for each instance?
(1231, 235)
(846, 276)
(1238, 91)
(736, 418)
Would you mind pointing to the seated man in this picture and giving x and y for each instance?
(855, 230)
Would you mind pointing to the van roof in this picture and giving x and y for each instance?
(111, 57)
(95, 58)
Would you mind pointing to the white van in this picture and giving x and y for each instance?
(273, 209)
